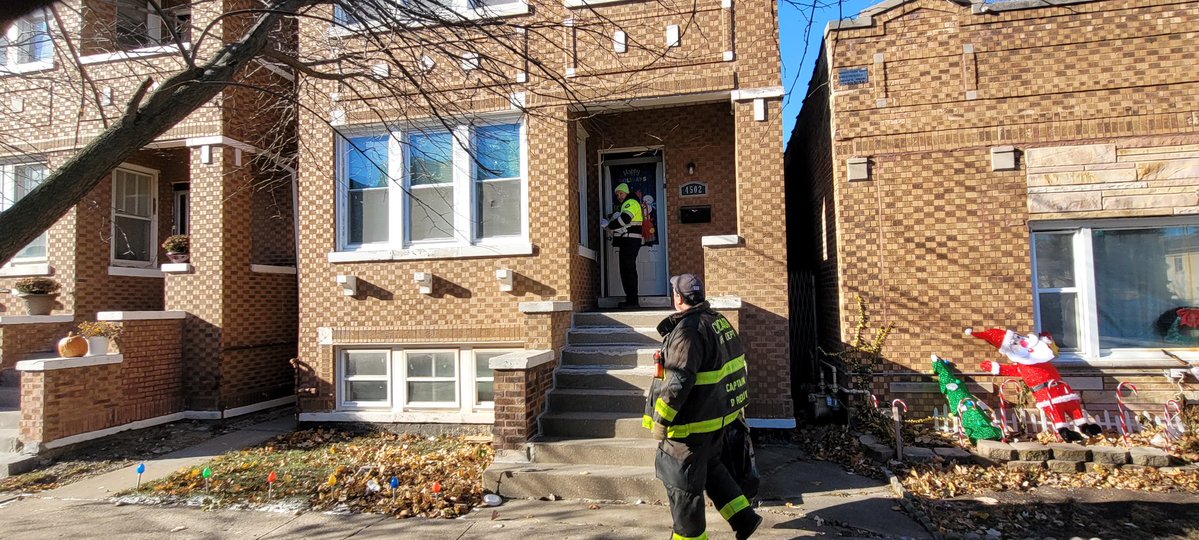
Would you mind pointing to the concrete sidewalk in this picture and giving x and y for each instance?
(103, 486)
(801, 498)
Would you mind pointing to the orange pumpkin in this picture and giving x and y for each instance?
(72, 346)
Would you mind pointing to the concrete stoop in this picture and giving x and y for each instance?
(592, 445)
(16, 463)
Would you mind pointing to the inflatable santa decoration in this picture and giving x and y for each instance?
(1032, 356)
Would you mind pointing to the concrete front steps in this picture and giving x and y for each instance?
(592, 444)
(11, 460)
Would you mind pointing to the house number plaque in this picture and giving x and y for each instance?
(693, 189)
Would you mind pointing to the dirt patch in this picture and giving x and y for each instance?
(127, 448)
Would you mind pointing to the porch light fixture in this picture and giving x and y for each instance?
(505, 276)
(425, 280)
(690, 167)
(349, 284)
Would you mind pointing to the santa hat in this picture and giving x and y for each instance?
(996, 337)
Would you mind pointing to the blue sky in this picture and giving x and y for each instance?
(794, 16)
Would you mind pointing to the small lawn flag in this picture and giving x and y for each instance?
(207, 475)
(270, 484)
(141, 469)
(395, 483)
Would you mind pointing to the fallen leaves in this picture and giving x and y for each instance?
(336, 470)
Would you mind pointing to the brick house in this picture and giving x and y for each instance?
(204, 339)
(448, 265)
(1012, 165)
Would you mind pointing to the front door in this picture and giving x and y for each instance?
(644, 175)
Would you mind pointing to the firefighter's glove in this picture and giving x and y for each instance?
(659, 432)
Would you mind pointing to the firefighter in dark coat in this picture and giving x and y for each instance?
(700, 389)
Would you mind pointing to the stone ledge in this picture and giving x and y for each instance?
(526, 359)
(546, 307)
(50, 364)
(36, 319)
(140, 315)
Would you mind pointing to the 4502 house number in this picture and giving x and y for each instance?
(693, 189)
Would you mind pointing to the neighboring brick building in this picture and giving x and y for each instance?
(403, 307)
(239, 290)
(1005, 164)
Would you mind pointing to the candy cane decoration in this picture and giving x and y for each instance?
(1003, 406)
(1174, 426)
(874, 400)
(962, 406)
(1121, 408)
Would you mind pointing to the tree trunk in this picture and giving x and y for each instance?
(176, 98)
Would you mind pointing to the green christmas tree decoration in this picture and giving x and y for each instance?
(975, 420)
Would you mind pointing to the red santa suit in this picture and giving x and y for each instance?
(1032, 356)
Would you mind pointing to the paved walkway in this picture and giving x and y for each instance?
(803, 499)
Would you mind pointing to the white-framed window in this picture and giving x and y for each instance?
(26, 44)
(134, 216)
(139, 25)
(416, 379)
(434, 187)
(431, 378)
(365, 378)
(1118, 289)
(17, 180)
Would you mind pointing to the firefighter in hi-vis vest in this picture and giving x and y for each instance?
(625, 226)
(700, 388)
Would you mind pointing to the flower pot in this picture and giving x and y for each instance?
(178, 257)
(97, 346)
(37, 304)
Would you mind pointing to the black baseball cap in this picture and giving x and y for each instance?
(689, 286)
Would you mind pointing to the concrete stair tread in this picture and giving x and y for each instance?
(605, 369)
(572, 469)
(611, 392)
(573, 481)
(613, 335)
(598, 442)
(584, 416)
(615, 348)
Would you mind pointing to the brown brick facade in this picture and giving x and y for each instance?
(736, 155)
(936, 240)
(241, 328)
(147, 384)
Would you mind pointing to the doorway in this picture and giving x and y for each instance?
(644, 172)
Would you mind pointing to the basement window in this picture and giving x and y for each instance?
(405, 379)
